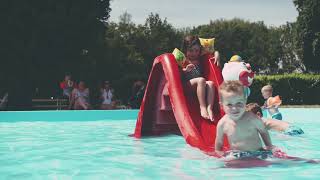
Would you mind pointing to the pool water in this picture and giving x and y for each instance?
(96, 145)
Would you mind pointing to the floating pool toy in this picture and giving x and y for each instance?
(274, 101)
(236, 69)
(207, 44)
(180, 57)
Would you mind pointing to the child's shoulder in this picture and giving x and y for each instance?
(248, 115)
(251, 117)
(255, 120)
(223, 119)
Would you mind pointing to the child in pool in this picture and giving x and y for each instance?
(280, 126)
(193, 74)
(273, 110)
(242, 128)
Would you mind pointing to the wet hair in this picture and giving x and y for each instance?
(254, 108)
(190, 41)
(267, 88)
(231, 86)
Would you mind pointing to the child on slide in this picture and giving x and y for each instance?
(280, 126)
(193, 74)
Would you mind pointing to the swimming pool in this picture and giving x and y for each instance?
(96, 145)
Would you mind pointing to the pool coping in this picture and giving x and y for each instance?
(67, 115)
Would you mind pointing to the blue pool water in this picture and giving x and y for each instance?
(96, 145)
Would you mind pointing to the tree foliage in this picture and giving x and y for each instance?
(132, 49)
(289, 53)
(254, 41)
(308, 27)
(42, 39)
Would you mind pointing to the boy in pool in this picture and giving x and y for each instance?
(280, 126)
(241, 128)
(266, 92)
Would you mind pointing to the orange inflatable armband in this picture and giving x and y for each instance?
(274, 101)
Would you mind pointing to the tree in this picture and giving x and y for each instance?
(42, 39)
(308, 27)
(124, 41)
(161, 36)
(288, 53)
(252, 41)
(132, 48)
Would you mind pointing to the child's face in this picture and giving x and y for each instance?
(234, 104)
(193, 53)
(266, 94)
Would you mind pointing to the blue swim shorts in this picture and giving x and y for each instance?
(277, 116)
(263, 154)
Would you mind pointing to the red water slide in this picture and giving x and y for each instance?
(169, 106)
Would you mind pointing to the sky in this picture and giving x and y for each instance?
(189, 13)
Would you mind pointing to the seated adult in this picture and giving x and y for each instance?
(67, 86)
(80, 97)
(106, 95)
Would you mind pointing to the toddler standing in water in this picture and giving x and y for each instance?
(273, 110)
(194, 75)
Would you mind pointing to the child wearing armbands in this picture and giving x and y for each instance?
(193, 74)
(272, 103)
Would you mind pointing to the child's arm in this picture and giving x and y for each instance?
(263, 133)
(217, 58)
(267, 141)
(276, 125)
(271, 107)
(219, 138)
(188, 68)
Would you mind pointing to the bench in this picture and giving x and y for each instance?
(49, 104)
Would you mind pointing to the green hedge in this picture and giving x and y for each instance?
(294, 89)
